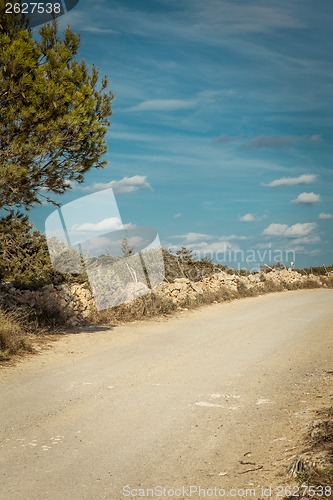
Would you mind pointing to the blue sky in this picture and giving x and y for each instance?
(221, 136)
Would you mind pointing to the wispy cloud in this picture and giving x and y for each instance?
(223, 138)
(203, 99)
(133, 136)
(325, 216)
(123, 186)
(307, 199)
(209, 248)
(307, 240)
(100, 31)
(294, 231)
(191, 237)
(163, 105)
(280, 141)
(292, 181)
(217, 133)
(193, 21)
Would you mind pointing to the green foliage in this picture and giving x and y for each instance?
(24, 257)
(54, 113)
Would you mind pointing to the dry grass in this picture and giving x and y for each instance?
(13, 337)
(314, 466)
(48, 316)
(152, 304)
(143, 307)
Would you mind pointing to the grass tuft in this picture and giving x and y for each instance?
(13, 339)
(314, 467)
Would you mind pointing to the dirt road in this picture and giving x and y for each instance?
(210, 399)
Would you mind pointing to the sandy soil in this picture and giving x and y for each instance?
(215, 398)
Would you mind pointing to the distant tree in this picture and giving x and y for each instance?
(54, 113)
(185, 255)
(125, 248)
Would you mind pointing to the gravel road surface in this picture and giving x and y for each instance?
(214, 398)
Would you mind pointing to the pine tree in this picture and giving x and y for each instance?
(54, 113)
(24, 257)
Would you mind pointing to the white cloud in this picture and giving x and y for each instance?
(191, 237)
(164, 105)
(247, 218)
(232, 237)
(177, 215)
(205, 245)
(194, 237)
(307, 240)
(292, 181)
(123, 186)
(275, 230)
(294, 231)
(264, 246)
(105, 225)
(307, 198)
(208, 248)
(325, 215)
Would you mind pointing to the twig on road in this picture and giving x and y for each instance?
(251, 470)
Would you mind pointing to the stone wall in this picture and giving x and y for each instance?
(72, 303)
(75, 303)
(237, 286)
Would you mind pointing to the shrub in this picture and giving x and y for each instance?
(183, 264)
(143, 307)
(12, 336)
(24, 257)
(315, 465)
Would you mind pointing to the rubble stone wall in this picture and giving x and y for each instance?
(76, 304)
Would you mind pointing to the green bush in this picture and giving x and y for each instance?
(24, 257)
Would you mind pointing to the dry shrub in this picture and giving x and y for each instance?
(310, 283)
(321, 443)
(314, 466)
(291, 286)
(49, 316)
(143, 307)
(322, 431)
(271, 286)
(13, 337)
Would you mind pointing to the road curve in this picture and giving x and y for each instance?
(211, 398)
